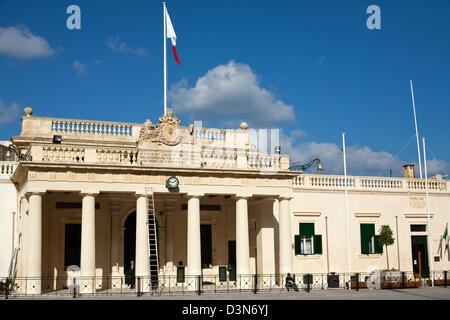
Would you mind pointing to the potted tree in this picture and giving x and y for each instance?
(385, 239)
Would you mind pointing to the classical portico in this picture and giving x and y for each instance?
(102, 173)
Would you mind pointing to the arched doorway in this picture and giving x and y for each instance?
(129, 241)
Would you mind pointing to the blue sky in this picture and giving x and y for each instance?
(311, 68)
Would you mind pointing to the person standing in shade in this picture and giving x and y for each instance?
(132, 275)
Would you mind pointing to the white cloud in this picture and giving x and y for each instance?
(360, 160)
(19, 42)
(79, 67)
(117, 46)
(437, 166)
(8, 113)
(231, 93)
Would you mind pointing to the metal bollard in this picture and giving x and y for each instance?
(357, 282)
(255, 284)
(139, 293)
(199, 283)
(403, 280)
(74, 288)
(445, 279)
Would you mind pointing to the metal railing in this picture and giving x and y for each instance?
(214, 284)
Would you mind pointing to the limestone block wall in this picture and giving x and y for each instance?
(8, 222)
(379, 208)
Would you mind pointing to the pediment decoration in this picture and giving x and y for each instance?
(167, 131)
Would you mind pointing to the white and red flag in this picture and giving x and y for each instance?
(172, 35)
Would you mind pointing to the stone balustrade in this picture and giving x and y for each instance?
(264, 161)
(208, 134)
(212, 159)
(117, 156)
(7, 169)
(63, 154)
(80, 127)
(337, 182)
(208, 158)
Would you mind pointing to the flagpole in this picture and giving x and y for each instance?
(430, 254)
(346, 213)
(165, 60)
(417, 131)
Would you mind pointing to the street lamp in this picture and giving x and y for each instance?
(305, 167)
(20, 156)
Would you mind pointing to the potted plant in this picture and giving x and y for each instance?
(386, 239)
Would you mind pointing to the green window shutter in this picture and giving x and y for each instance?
(378, 247)
(222, 274)
(297, 244)
(318, 244)
(365, 238)
(306, 229)
(180, 274)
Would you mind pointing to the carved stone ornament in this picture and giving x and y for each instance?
(166, 131)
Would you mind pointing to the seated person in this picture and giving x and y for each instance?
(290, 282)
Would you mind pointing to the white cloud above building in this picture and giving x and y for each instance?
(8, 113)
(230, 92)
(19, 42)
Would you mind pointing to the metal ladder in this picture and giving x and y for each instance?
(152, 240)
(12, 265)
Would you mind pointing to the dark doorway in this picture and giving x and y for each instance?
(129, 242)
(420, 256)
(72, 245)
(232, 260)
(206, 245)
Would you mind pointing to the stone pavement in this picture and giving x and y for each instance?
(436, 293)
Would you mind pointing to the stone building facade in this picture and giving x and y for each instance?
(82, 199)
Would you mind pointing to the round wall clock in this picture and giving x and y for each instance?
(172, 183)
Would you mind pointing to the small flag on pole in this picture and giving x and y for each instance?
(445, 237)
(172, 35)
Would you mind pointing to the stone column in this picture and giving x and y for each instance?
(34, 250)
(285, 236)
(242, 239)
(169, 240)
(265, 241)
(194, 260)
(142, 263)
(115, 229)
(87, 264)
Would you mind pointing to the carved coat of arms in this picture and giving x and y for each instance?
(167, 131)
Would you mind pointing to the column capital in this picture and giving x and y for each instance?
(85, 193)
(140, 194)
(34, 193)
(285, 198)
(195, 195)
(243, 196)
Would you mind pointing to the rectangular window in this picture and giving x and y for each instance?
(306, 245)
(369, 241)
(307, 242)
(418, 227)
(72, 247)
(206, 245)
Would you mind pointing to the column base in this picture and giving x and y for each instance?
(34, 286)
